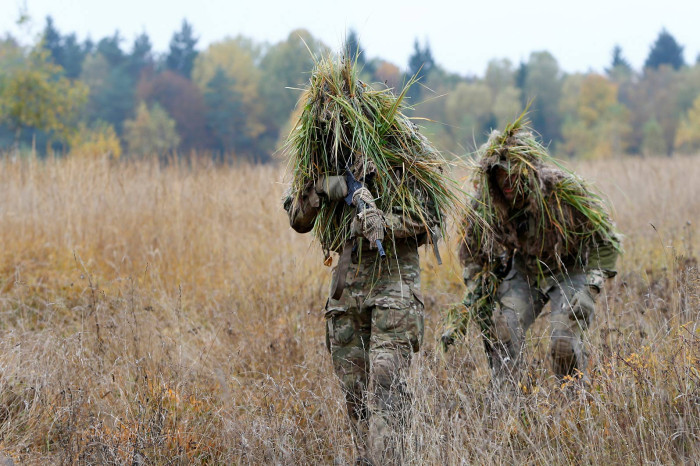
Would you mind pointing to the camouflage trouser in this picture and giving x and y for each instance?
(520, 301)
(371, 333)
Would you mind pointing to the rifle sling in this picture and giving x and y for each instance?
(342, 270)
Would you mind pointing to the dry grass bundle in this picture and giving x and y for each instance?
(346, 124)
(569, 214)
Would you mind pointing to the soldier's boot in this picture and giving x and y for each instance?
(359, 422)
(505, 351)
(388, 404)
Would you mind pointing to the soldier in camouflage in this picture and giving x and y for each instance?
(537, 263)
(375, 325)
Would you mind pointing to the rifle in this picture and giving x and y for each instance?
(353, 186)
(350, 245)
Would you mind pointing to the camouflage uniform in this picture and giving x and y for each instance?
(373, 329)
(520, 299)
(539, 269)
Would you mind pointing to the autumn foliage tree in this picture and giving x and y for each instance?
(151, 132)
(688, 135)
(184, 102)
(234, 60)
(37, 95)
(595, 125)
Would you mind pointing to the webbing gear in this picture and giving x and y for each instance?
(342, 270)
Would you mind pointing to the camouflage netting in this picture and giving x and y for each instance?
(346, 123)
(569, 217)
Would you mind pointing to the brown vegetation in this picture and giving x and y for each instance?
(168, 315)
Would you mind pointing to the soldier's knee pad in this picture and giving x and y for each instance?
(386, 369)
(582, 307)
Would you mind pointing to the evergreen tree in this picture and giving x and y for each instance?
(542, 87)
(354, 49)
(620, 70)
(665, 51)
(72, 56)
(520, 79)
(63, 51)
(141, 55)
(226, 115)
(619, 64)
(182, 51)
(109, 48)
(51, 40)
(421, 62)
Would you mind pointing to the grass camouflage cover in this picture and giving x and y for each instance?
(570, 219)
(347, 123)
(569, 215)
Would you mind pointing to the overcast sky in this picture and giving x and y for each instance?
(463, 35)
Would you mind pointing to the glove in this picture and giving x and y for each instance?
(302, 211)
(334, 187)
(371, 225)
(363, 195)
(595, 278)
(309, 198)
(447, 339)
(583, 305)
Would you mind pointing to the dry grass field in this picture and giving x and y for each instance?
(168, 315)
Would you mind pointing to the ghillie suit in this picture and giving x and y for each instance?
(553, 240)
(349, 133)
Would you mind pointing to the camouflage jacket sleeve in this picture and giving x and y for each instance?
(302, 209)
(602, 255)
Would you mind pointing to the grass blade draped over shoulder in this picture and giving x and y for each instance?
(565, 222)
(569, 216)
(347, 123)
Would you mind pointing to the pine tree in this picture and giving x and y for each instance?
(51, 40)
(72, 56)
(141, 55)
(354, 49)
(110, 48)
(421, 62)
(226, 116)
(182, 51)
(665, 51)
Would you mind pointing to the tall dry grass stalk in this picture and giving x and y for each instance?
(168, 315)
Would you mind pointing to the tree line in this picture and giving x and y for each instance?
(236, 97)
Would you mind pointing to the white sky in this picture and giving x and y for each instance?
(463, 35)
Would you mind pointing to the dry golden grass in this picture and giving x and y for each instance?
(168, 315)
